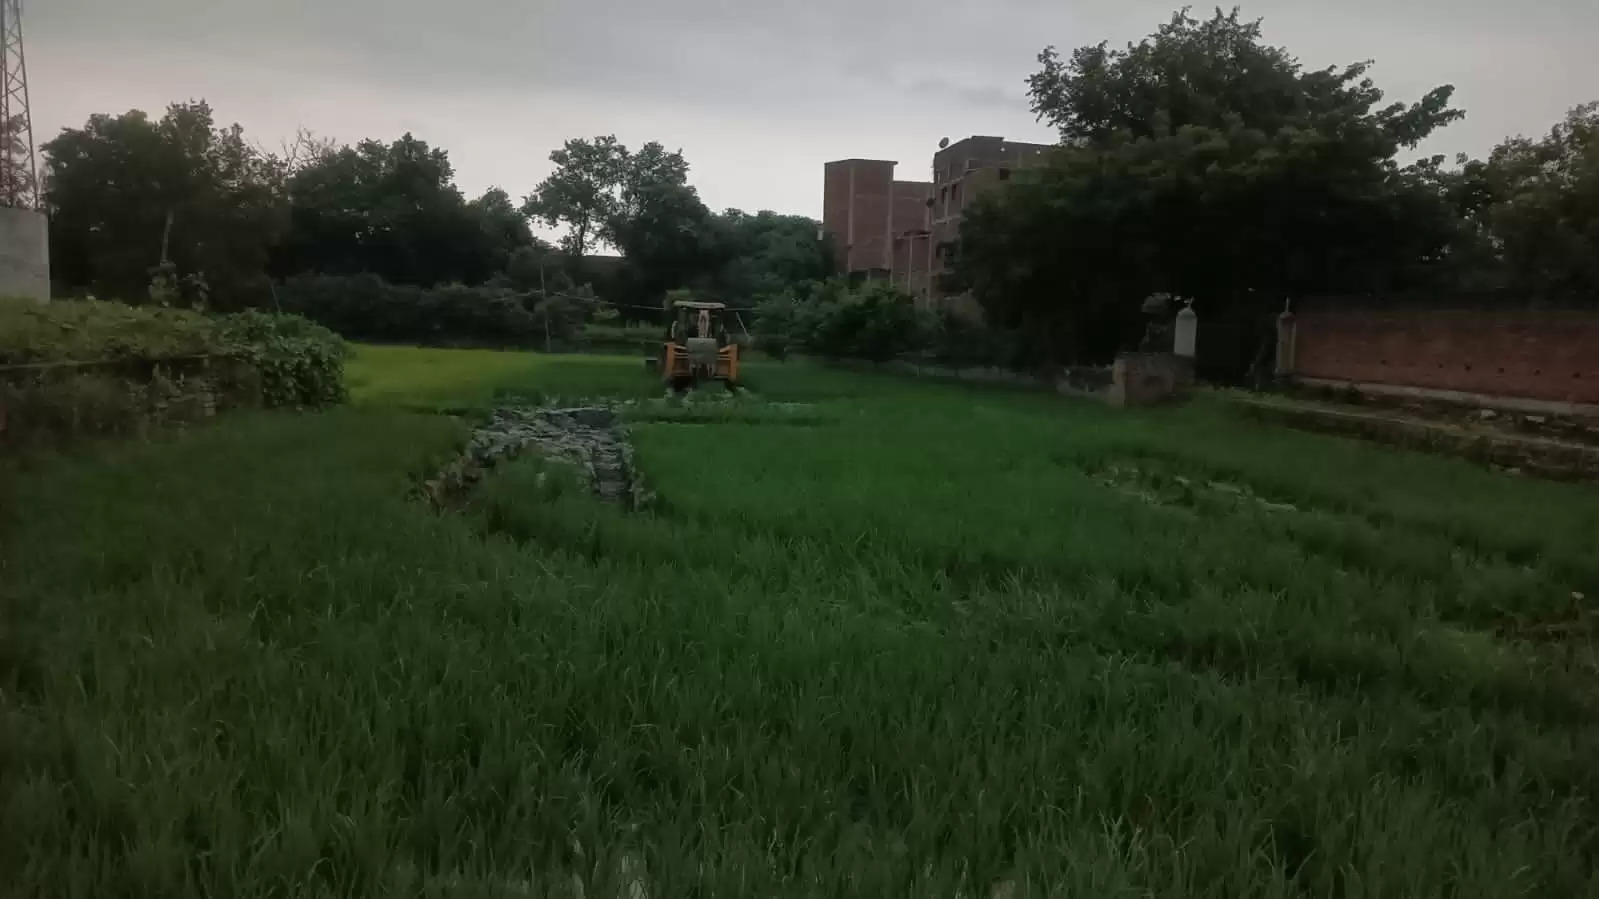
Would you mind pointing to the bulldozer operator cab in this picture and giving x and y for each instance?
(698, 347)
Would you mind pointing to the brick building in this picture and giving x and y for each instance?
(905, 231)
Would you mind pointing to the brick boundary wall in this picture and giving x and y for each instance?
(1549, 355)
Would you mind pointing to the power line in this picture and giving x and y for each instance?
(604, 302)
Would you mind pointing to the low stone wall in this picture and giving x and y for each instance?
(56, 402)
(1143, 379)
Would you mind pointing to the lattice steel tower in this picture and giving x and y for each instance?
(19, 176)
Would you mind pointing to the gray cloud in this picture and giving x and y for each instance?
(758, 94)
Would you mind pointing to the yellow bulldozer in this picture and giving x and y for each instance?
(698, 347)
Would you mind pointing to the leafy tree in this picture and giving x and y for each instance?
(180, 197)
(1543, 205)
(1202, 162)
(505, 229)
(582, 193)
(664, 231)
(393, 210)
(766, 253)
(873, 322)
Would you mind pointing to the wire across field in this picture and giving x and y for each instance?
(913, 639)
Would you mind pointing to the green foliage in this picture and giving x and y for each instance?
(641, 204)
(873, 322)
(94, 331)
(126, 192)
(364, 307)
(765, 255)
(85, 368)
(298, 363)
(581, 194)
(1204, 163)
(947, 642)
(393, 210)
(1542, 206)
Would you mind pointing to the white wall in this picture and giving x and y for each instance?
(24, 254)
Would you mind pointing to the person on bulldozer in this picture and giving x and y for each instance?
(698, 347)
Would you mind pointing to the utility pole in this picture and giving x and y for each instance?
(19, 175)
(544, 295)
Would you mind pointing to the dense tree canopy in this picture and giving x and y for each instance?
(1542, 206)
(766, 253)
(127, 192)
(641, 203)
(394, 210)
(1203, 162)
(581, 194)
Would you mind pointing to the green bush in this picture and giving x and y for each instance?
(365, 307)
(872, 322)
(85, 368)
(876, 322)
(299, 362)
(94, 331)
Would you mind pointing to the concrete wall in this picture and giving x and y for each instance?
(24, 254)
(1550, 355)
(1143, 379)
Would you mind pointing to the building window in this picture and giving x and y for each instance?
(1004, 174)
(955, 196)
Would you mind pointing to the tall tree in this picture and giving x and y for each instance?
(394, 210)
(766, 254)
(1544, 206)
(505, 229)
(127, 194)
(582, 193)
(1203, 162)
(659, 224)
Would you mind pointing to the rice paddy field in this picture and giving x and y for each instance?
(874, 637)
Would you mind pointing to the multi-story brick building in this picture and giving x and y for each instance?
(905, 231)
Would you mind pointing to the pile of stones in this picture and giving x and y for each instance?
(586, 437)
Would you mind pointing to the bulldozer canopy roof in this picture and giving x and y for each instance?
(695, 304)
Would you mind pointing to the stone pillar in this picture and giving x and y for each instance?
(24, 255)
(1287, 331)
(1186, 335)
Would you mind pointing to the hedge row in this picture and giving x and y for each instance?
(76, 368)
(365, 307)
(874, 322)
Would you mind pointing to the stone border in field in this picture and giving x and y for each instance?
(589, 438)
(1517, 453)
(1135, 379)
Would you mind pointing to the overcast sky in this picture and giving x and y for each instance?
(757, 93)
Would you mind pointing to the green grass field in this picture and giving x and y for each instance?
(920, 640)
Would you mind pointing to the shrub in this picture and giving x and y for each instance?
(81, 368)
(299, 362)
(876, 322)
(872, 322)
(93, 331)
(365, 307)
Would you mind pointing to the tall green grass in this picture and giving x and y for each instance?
(910, 640)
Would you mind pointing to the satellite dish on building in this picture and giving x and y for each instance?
(943, 142)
